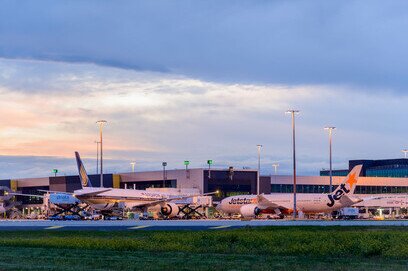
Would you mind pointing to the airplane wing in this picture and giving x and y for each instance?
(152, 203)
(52, 191)
(347, 201)
(373, 198)
(264, 203)
(26, 195)
(92, 193)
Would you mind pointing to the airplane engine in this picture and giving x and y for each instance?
(169, 210)
(103, 207)
(249, 210)
(2, 209)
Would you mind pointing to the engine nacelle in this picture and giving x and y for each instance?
(169, 209)
(249, 210)
(103, 206)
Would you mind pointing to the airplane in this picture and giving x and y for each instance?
(103, 199)
(249, 206)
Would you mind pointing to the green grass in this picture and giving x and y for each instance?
(277, 248)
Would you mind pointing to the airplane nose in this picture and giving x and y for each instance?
(219, 206)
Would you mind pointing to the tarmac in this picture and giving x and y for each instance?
(102, 225)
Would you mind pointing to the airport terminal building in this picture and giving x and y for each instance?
(228, 181)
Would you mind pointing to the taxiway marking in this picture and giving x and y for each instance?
(139, 227)
(219, 227)
(54, 227)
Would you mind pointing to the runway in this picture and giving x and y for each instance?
(181, 224)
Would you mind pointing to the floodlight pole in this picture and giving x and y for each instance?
(330, 129)
(186, 163)
(259, 146)
(293, 113)
(101, 123)
(275, 169)
(164, 164)
(209, 162)
(97, 156)
(133, 166)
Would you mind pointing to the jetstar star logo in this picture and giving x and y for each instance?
(342, 190)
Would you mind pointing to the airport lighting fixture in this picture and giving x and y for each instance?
(133, 166)
(330, 129)
(97, 156)
(186, 163)
(209, 162)
(101, 123)
(275, 168)
(164, 164)
(293, 113)
(405, 151)
(259, 146)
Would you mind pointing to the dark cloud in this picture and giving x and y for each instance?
(359, 43)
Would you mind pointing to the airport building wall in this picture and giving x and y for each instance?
(228, 182)
(320, 184)
(393, 168)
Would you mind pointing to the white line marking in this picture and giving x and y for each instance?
(54, 227)
(138, 227)
(219, 227)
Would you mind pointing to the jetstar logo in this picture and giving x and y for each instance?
(241, 201)
(342, 190)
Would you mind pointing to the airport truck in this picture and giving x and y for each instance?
(347, 213)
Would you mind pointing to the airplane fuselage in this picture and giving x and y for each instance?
(307, 203)
(105, 198)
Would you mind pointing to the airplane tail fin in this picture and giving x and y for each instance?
(83, 176)
(350, 182)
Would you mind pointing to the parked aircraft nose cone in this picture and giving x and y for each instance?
(219, 206)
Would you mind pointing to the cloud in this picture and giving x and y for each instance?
(154, 117)
(353, 43)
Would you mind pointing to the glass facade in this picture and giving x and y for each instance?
(231, 183)
(32, 191)
(394, 172)
(334, 172)
(394, 168)
(149, 184)
(360, 189)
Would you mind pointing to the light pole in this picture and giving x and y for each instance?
(97, 156)
(293, 113)
(330, 129)
(209, 162)
(133, 166)
(164, 164)
(186, 163)
(259, 146)
(275, 168)
(405, 151)
(101, 123)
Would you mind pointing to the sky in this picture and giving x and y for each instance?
(199, 80)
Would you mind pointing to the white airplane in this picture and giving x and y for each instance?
(105, 198)
(282, 203)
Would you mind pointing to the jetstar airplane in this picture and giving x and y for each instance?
(282, 203)
(101, 198)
